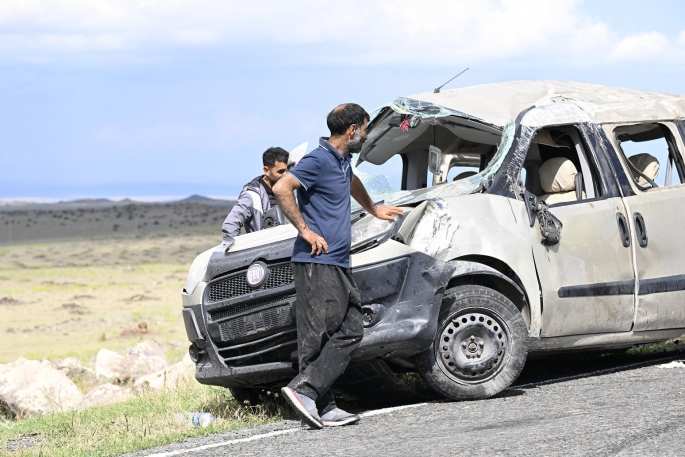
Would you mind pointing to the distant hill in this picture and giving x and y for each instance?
(207, 201)
(96, 218)
(89, 203)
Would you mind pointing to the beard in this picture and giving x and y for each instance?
(355, 144)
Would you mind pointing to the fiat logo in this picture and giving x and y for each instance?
(256, 274)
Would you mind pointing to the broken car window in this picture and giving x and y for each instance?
(651, 155)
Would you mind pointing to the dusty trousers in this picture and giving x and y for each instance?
(329, 328)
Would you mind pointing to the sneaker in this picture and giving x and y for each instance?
(337, 417)
(304, 406)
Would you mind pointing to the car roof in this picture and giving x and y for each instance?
(500, 103)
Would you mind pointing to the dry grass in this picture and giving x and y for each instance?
(139, 423)
(72, 298)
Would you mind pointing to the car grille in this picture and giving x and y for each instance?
(277, 347)
(245, 308)
(236, 284)
(251, 324)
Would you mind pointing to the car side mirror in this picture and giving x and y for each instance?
(434, 159)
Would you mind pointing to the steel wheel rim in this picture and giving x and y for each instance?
(473, 346)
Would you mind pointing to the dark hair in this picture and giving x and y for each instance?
(273, 155)
(342, 116)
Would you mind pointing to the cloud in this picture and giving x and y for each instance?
(354, 32)
(642, 46)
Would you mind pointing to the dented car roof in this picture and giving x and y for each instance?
(500, 103)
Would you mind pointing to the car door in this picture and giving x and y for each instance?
(587, 279)
(658, 222)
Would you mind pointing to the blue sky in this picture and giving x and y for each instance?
(120, 98)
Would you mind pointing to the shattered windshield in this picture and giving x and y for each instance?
(381, 180)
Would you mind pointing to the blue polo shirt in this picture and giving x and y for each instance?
(324, 201)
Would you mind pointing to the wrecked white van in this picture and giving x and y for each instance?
(561, 232)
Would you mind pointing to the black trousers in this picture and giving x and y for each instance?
(329, 328)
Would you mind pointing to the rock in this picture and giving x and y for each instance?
(71, 366)
(149, 348)
(30, 387)
(109, 365)
(142, 359)
(104, 395)
(171, 377)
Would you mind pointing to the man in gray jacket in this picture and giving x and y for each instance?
(257, 197)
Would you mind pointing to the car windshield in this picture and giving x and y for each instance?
(385, 181)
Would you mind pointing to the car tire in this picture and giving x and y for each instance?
(480, 346)
(246, 396)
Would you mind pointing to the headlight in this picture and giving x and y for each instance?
(197, 270)
(370, 231)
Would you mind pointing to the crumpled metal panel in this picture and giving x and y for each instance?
(499, 103)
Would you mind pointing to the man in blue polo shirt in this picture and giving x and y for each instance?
(329, 319)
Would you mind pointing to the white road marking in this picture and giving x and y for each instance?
(376, 412)
(674, 364)
(224, 443)
(588, 374)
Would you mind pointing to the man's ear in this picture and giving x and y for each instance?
(266, 170)
(351, 130)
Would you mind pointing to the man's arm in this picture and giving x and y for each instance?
(284, 191)
(239, 215)
(360, 194)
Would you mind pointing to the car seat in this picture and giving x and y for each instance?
(647, 164)
(560, 181)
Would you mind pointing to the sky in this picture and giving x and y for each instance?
(169, 98)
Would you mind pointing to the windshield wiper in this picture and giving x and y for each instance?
(361, 212)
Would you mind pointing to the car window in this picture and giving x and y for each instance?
(390, 171)
(456, 173)
(560, 169)
(650, 155)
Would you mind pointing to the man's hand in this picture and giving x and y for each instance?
(317, 241)
(387, 212)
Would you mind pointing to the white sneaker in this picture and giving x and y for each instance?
(337, 417)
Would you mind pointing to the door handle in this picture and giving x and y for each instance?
(640, 230)
(623, 229)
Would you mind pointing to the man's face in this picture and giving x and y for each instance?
(273, 174)
(357, 138)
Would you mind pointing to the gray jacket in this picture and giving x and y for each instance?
(253, 202)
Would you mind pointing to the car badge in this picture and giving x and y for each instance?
(256, 274)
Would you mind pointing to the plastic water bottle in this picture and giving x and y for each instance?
(197, 419)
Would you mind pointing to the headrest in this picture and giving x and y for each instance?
(558, 175)
(464, 174)
(648, 166)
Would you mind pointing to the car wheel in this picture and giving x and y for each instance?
(480, 346)
(246, 396)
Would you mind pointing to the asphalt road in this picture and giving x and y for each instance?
(604, 406)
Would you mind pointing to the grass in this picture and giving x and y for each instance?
(73, 298)
(137, 424)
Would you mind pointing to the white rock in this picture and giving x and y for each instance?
(109, 365)
(104, 395)
(71, 366)
(30, 387)
(674, 364)
(171, 377)
(148, 348)
(142, 359)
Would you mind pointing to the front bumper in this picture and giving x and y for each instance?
(250, 339)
